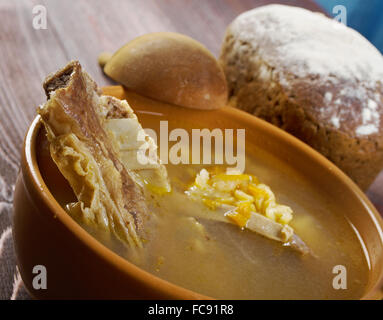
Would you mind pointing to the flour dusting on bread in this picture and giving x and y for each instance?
(313, 77)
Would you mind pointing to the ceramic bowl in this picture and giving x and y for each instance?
(80, 267)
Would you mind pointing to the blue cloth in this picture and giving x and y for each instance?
(365, 16)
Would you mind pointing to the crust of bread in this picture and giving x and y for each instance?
(299, 106)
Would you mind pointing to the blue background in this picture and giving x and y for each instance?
(366, 16)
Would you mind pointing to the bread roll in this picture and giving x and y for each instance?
(169, 67)
(313, 77)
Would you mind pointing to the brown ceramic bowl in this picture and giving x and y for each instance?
(78, 266)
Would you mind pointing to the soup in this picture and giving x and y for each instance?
(220, 260)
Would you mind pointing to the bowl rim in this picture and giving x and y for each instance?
(31, 171)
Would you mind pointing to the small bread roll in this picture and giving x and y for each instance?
(169, 67)
(312, 77)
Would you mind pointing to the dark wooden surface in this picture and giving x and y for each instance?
(81, 30)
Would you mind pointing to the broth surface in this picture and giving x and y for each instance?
(223, 261)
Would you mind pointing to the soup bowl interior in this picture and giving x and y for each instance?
(79, 266)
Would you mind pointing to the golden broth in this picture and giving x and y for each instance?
(222, 261)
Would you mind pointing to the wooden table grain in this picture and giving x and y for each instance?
(81, 30)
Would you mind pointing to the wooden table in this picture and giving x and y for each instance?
(81, 30)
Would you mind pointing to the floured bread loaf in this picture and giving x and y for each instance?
(87, 149)
(312, 77)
